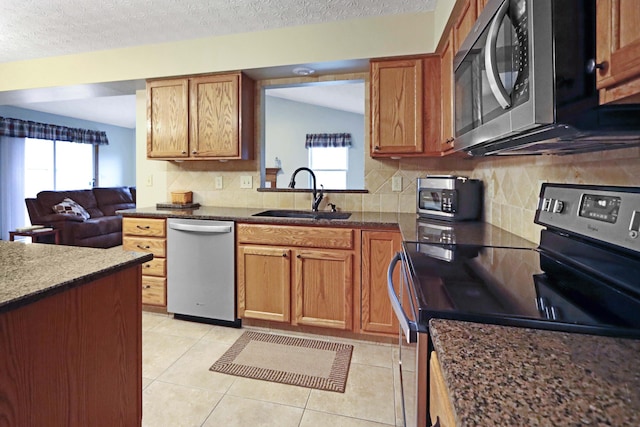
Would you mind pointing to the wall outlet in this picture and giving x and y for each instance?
(149, 181)
(246, 181)
(218, 182)
(396, 183)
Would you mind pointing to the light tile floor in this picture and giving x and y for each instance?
(179, 389)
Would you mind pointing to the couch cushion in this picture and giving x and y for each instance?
(97, 226)
(112, 199)
(70, 207)
(84, 198)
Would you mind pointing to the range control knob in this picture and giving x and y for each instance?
(558, 206)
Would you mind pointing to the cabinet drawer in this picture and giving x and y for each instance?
(141, 244)
(154, 290)
(309, 237)
(143, 227)
(155, 267)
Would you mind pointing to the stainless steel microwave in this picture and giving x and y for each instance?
(525, 83)
(449, 197)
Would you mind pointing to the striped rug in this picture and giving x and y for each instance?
(298, 361)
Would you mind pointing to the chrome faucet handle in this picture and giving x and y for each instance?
(332, 206)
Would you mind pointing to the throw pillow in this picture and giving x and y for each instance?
(69, 207)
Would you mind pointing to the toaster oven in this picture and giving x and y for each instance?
(449, 197)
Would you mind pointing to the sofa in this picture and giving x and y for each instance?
(94, 223)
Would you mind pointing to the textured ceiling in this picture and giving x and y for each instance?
(41, 28)
(32, 29)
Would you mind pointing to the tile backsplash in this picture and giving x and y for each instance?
(511, 185)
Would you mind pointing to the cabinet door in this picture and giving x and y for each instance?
(168, 118)
(323, 288)
(446, 110)
(464, 23)
(378, 248)
(618, 50)
(215, 115)
(439, 403)
(396, 107)
(264, 283)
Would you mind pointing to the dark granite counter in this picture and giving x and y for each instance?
(506, 376)
(408, 223)
(33, 271)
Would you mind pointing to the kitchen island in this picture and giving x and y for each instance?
(70, 335)
(508, 376)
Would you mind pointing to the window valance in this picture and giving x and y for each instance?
(27, 129)
(328, 140)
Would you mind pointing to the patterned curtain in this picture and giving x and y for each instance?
(28, 129)
(328, 140)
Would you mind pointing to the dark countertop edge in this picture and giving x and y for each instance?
(308, 190)
(73, 283)
(248, 218)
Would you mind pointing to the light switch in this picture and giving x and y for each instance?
(218, 182)
(149, 180)
(246, 181)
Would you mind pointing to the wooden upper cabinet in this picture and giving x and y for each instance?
(446, 99)
(168, 118)
(404, 111)
(618, 50)
(464, 23)
(396, 107)
(201, 117)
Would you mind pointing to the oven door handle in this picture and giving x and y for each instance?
(491, 60)
(409, 328)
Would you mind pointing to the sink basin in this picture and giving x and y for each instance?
(286, 213)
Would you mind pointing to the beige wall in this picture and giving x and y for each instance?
(334, 41)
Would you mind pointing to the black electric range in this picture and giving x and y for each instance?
(583, 277)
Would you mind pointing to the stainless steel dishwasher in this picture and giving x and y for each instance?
(201, 270)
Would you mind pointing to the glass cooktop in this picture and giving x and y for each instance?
(518, 287)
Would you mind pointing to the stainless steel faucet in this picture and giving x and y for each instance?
(317, 195)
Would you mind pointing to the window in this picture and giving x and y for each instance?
(57, 165)
(330, 166)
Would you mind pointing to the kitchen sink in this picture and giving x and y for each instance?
(286, 213)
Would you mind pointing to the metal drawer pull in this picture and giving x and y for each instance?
(146, 286)
(143, 227)
(143, 247)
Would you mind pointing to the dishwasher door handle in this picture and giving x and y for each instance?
(215, 229)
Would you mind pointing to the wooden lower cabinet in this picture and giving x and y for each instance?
(74, 358)
(264, 283)
(295, 274)
(440, 408)
(149, 235)
(378, 249)
(323, 288)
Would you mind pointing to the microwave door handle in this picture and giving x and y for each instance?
(409, 328)
(491, 60)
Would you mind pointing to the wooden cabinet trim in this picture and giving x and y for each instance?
(298, 236)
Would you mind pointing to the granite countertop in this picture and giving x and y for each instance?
(407, 223)
(33, 271)
(508, 376)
